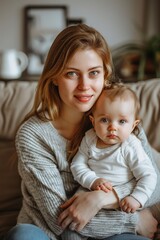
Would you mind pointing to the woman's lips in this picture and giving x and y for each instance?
(83, 98)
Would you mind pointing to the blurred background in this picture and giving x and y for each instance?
(122, 22)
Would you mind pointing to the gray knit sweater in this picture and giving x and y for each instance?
(47, 182)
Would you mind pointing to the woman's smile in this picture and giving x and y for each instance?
(83, 98)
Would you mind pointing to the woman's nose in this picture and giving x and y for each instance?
(83, 83)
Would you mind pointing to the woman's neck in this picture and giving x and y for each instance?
(67, 124)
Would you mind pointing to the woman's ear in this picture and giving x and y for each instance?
(55, 82)
(91, 119)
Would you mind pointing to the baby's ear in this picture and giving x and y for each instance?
(91, 119)
(136, 122)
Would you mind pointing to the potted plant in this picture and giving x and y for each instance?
(138, 61)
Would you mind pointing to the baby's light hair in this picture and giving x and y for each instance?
(115, 90)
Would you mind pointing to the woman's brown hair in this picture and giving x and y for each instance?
(47, 99)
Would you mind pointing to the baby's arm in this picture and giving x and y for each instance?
(101, 184)
(129, 204)
(142, 169)
(80, 167)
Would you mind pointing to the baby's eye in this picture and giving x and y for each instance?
(122, 121)
(104, 120)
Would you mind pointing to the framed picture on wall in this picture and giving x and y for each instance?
(74, 21)
(42, 25)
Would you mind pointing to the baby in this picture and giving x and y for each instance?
(110, 154)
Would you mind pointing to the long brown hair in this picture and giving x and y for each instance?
(47, 99)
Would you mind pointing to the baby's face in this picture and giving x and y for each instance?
(113, 120)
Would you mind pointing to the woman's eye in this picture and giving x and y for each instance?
(94, 73)
(71, 74)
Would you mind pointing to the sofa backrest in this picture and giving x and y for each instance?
(148, 93)
(16, 99)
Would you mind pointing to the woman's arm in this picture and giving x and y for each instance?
(42, 184)
(106, 223)
(83, 209)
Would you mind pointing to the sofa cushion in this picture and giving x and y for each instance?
(10, 194)
(148, 93)
(16, 99)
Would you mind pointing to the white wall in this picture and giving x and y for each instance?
(118, 20)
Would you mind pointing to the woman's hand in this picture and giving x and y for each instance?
(83, 206)
(147, 224)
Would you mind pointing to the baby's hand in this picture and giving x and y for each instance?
(101, 184)
(129, 204)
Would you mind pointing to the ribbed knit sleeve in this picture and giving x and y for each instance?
(42, 183)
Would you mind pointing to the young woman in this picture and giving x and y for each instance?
(74, 75)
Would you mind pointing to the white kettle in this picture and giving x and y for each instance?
(12, 64)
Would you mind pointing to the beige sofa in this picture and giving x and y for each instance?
(16, 98)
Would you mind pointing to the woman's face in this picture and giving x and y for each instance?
(82, 81)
